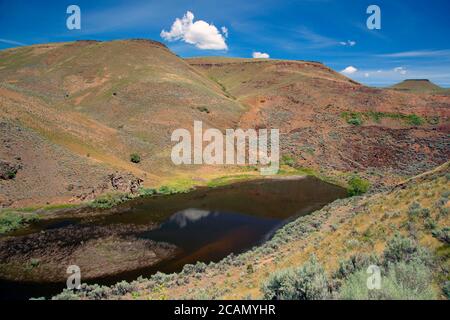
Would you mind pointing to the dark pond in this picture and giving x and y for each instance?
(205, 224)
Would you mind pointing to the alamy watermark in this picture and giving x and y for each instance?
(74, 280)
(374, 280)
(73, 22)
(374, 20)
(231, 149)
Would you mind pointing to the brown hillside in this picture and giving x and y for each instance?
(72, 113)
(312, 104)
(99, 102)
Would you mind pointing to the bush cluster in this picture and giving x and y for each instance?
(308, 282)
(357, 186)
(406, 273)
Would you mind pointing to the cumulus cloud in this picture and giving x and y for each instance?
(199, 33)
(349, 70)
(400, 70)
(349, 43)
(260, 55)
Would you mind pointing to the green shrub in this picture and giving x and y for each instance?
(355, 121)
(402, 249)
(203, 109)
(446, 289)
(308, 282)
(67, 294)
(135, 158)
(442, 235)
(97, 292)
(415, 120)
(415, 210)
(402, 281)
(122, 288)
(34, 262)
(288, 160)
(11, 174)
(166, 190)
(145, 192)
(357, 186)
(353, 118)
(279, 286)
(110, 200)
(355, 263)
(430, 224)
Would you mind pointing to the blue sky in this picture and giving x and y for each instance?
(413, 42)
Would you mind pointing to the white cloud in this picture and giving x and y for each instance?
(316, 40)
(414, 54)
(224, 31)
(349, 70)
(400, 70)
(260, 55)
(349, 43)
(16, 43)
(199, 33)
(366, 75)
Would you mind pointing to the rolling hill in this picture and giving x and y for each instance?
(331, 122)
(418, 85)
(73, 113)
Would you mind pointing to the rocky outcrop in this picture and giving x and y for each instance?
(125, 182)
(121, 182)
(8, 170)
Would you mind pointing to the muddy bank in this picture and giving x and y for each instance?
(98, 250)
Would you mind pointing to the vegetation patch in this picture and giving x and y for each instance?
(288, 160)
(135, 158)
(405, 274)
(110, 200)
(203, 109)
(12, 220)
(222, 181)
(358, 118)
(357, 186)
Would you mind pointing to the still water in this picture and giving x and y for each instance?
(205, 224)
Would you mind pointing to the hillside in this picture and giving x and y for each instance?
(73, 113)
(331, 122)
(418, 85)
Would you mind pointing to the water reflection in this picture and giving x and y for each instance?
(184, 217)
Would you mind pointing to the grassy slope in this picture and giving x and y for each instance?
(345, 227)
